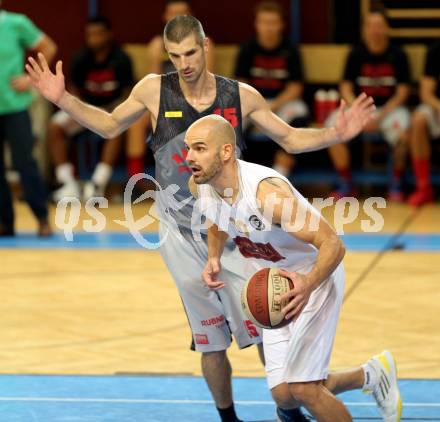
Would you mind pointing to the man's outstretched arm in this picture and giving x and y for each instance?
(108, 125)
(349, 123)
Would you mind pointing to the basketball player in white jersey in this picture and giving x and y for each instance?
(248, 203)
(175, 100)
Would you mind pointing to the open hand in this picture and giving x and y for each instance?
(50, 85)
(350, 122)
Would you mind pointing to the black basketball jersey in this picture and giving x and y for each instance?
(174, 118)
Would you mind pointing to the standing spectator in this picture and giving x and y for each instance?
(426, 124)
(380, 69)
(17, 34)
(159, 63)
(101, 74)
(271, 64)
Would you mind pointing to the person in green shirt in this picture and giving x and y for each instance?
(17, 35)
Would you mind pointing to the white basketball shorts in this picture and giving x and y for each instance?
(300, 351)
(213, 315)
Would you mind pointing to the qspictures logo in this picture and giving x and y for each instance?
(172, 212)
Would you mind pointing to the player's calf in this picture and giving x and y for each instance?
(288, 409)
(322, 404)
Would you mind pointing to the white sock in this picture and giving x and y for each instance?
(102, 174)
(371, 376)
(64, 173)
(281, 169)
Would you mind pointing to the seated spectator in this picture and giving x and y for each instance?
(379, 69)
(159, 63)
(101, 74)
(18, 34)
(426, 125)
(271, 64)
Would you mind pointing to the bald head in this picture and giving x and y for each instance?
(213, 129)
(211, 148)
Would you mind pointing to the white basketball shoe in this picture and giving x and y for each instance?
(68, 189)
(92, 190)
(386, 391)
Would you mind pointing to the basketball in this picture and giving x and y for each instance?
(260, 298)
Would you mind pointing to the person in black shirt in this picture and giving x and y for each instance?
(158, 63)
(426, 124)
(101, 74)
(379, 69)
(271, 63)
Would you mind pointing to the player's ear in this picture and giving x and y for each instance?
(206, 44)
(228, 150)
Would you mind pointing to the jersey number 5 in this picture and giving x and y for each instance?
(230, 114)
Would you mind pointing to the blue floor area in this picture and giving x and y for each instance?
(406, 242)
(26, 398)
(81, 240)
(123, 240)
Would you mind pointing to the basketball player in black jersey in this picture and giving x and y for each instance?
(176, 100)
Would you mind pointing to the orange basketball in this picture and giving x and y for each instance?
(260, 298)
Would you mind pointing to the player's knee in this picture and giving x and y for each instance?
(304, 392)
(282, 396)
(216, 359)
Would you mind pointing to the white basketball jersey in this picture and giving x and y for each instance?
(252, 230)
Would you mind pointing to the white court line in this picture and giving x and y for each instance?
(160, 401)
